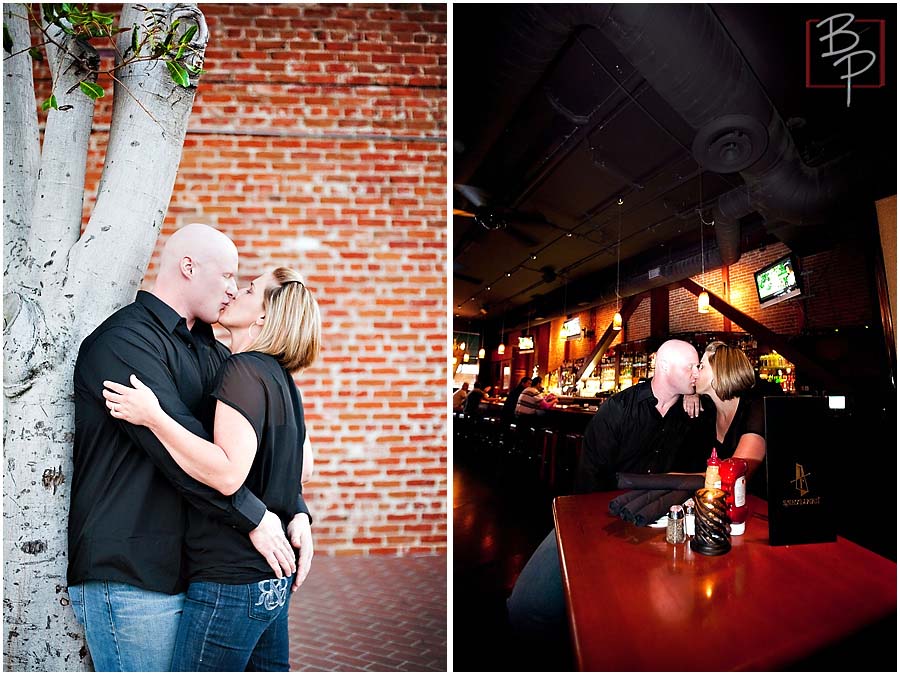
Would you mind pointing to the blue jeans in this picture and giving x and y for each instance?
(127, 628)
(537, 605)
(234, 627)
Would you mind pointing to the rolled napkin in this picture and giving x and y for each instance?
(638, 500)
(643, 507)
(659, 507)
(620, 502)
(659, 481)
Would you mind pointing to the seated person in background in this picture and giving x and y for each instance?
(489, 391)
(642, 429)
(509, 406)
(727, 378)
(474, 399)
(532, 401)
(459, 398)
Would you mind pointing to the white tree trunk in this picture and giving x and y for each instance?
(21, 142)
(58, 289)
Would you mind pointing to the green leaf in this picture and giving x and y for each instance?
(91, 90)
(36, 54)
(66, 7)
(7, 40)
(178, 73)
(50, 103)
(188, 34)
(103, 18)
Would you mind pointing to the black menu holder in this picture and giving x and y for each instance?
(800, 456)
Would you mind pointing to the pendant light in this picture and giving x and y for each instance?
(703, 298)
(617, 319)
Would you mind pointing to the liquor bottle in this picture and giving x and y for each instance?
(734, 481)
(712, 471)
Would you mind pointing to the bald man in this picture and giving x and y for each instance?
(127, 516)
(642, 429)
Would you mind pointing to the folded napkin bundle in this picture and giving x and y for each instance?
(659, 481)
(643, 507)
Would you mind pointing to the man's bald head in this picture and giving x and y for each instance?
(676, 367)
(197, 272)
(196, 241)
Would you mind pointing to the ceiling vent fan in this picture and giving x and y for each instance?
(492, 217)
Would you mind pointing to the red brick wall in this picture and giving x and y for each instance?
(835, 284)
(597, 319)
(318, 140)
(639, 323)
(836, 293)
(683, 314)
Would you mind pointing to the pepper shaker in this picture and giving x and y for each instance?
(675, 525)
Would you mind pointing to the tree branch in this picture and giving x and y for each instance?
(21, 146)
(60, 192)
(142, 160)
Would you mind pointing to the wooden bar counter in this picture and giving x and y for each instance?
(637, 603)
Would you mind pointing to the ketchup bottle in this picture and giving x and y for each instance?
(713, 480)
(734, 481)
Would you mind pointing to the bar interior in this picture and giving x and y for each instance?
(626, 176)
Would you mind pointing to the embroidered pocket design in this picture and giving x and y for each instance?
(272, 593)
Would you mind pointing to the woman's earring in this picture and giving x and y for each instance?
(250, 332)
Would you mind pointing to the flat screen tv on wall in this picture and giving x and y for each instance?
(778, 281)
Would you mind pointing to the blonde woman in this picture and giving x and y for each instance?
(726, 377)
(235, 615)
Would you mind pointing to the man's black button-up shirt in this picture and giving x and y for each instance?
(127, 517)
(629, 435)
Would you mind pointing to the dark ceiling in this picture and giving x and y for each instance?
(560, 111)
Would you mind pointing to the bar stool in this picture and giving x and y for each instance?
(491, 434)
(463, 429)
(573, 444)
(548, 452)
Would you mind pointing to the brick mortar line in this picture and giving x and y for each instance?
(224, 131)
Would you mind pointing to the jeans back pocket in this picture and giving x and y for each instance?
(268, 598)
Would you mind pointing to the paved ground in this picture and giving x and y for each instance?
(371, 614)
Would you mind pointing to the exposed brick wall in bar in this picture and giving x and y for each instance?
(836, 293)
(639, 323)
(683, 314)
(318, 140)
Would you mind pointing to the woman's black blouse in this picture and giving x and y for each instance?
(748, 418)
(263, 392)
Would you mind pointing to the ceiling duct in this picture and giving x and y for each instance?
(685, 54)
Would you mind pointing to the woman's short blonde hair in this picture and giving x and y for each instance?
(292, 331)
(731, 370)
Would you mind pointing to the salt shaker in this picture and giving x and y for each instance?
(689, 517)
(675, 525)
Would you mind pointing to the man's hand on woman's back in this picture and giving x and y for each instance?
(268, 538)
